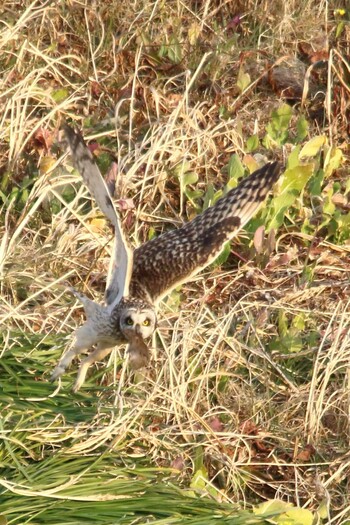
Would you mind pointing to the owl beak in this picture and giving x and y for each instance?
(138, 329)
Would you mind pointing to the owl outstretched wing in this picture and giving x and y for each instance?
(120, 266)
(166, 261)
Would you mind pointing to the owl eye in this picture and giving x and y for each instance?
(129, 321)
(146, 322)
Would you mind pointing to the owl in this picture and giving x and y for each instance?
(137, 280)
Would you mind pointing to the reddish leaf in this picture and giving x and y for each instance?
(178, 463)
(216, 425)
(306, 454)
(111, 177)
(126, 204)
(43, 138)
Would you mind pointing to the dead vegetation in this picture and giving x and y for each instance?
(248, 394)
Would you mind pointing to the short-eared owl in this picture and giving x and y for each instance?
(138, 279)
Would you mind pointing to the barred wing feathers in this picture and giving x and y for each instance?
(119, 273)
(166, 261)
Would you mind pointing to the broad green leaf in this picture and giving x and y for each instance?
(272, 506)
(293, 183)
(209, 196)
(190, 177)
(328, 205)
(151, 233)
(302, 128)
(333, 160)
(299, 322)
(199, 480)
(293, 159)
(296, 516)
(253, 143)
(277, 129)
(313, 146)
(59, 95)
(235, 170)
(223, 256)
(323, 509)
(243, 80)
(182, 168)
(343, 229)
(316, 183)
(281, 117)
(285, 513)
(292, 343)
(296, 178)
(280, 205)
(193, 195)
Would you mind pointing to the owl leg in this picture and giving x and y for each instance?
(84, 338)
(102, 350)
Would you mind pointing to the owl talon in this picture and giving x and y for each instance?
(57, 372)
(77, 385)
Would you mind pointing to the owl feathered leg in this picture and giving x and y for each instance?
(97, 327)
(84, 338)
(102, 350)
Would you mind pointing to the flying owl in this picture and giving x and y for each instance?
(137, 280)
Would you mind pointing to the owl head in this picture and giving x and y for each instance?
(136, 319)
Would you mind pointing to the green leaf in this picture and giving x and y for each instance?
(59, 95)
(235, 170)
(296, 178)
(285, 513)
(302, 128)
(277, 129)
(299, 322)
(313, 146)
(190, 177)
(340, 29)
(296, 516)
(316, 183)
(174, 50)
(199, 480)
(243, 80)
(293, 183)
(333, 159)
(281, 117)
(193, 195)
(272, 506)
(223, 256)
(282, 323)
(253, 143)
(293, 159)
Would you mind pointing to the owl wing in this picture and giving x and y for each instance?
(120, 266)
(166, 261)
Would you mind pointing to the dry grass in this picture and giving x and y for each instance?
(157, 86)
